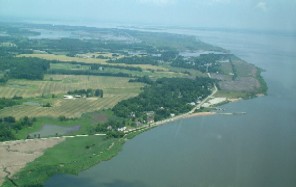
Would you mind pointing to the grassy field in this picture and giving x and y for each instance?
(226, 68)
(244, 69)
(115, 89)
(64, 58)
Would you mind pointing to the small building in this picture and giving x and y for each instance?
(150, 117)
(132, 114)
(122, 129)
(192, 103)
(68, 97)
(77, 96)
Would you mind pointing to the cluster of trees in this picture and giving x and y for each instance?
(100, 66)
(87, 92)
(74, 46)
(203, 63)
(23, 68)
(8, 102)
(9, 126)
(164, 97)
(144, 79)
(110, 127)
(168, 55)
(112, 124)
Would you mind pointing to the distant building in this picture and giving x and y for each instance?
(150, 117)
(77, 96)
(68, 97)
(121, 129)
(192, 103)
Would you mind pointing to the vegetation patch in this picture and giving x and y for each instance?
(71, 156)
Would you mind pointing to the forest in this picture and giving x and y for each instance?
(23, 68)
(203, 63)
(164, 97)
(9, 126)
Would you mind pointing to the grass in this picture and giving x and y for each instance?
(226, 68)
(234, 94)
(71, 156)
(244, 69)
(68, 66)
(64, 58)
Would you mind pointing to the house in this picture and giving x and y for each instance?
(191, 104)
(68, 97)
(77, 96)
(132, 114)
(122, 129)
(150, 117)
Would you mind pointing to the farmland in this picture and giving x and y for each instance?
(37, 93)
(60, 84)
(61, 107)
(88, 60)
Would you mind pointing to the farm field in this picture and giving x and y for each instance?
(68, 108)
(115, 89)
(114, 69)
(61, 84)
(64, 58)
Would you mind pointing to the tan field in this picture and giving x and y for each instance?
(14, 155)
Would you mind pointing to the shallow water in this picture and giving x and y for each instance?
(256, 149)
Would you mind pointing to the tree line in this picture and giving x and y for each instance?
(9, 126)
(23, 68)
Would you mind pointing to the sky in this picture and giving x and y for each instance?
(246, 14)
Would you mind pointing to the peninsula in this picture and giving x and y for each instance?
(72, 96)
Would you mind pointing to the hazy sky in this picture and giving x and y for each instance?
(258, 14)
